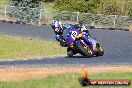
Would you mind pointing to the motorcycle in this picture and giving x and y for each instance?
(82, 43)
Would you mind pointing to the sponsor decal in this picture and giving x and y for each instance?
(85, 81)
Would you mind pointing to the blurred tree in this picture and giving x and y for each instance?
(114, 7)
(48, 0)
(130, 12)
(25, 10)
(77, 5)
(31, 3)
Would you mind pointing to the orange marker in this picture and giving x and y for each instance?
(84, 73)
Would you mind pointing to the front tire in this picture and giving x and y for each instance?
(85, 51)
(70, 53)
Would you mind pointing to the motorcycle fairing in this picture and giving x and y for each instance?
(89, 39)
(70, 35)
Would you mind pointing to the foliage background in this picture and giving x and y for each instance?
(114, 7)
(26, 11)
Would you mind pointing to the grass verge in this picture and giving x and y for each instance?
(48, 6)
(65, 81)
(19, 47)
(3, 2)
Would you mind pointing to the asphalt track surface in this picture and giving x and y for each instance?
(117, 46)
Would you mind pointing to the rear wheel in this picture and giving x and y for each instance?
(100, 51)
(84, 50)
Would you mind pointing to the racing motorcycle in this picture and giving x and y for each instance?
(82, 43)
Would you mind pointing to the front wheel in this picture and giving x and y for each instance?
(84, 50)
(70, 53)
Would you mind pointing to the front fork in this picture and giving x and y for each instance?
(93, 43)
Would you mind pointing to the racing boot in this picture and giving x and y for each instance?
(70, 52)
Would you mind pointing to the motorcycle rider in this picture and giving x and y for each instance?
(58, 28)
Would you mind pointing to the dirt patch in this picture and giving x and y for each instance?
(17, 74)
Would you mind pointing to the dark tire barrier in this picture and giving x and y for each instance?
(90, 27)
(121, 29)
(12, 22)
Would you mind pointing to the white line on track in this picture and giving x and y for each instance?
(37, 57)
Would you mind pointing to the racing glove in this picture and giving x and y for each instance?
(62, 42)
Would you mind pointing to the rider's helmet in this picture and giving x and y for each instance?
(56, 26)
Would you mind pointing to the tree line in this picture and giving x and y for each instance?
(111, 7)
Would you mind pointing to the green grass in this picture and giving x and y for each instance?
(47, 14)
(49, 6)
(65, 81)
(19, 47)
(3, 2)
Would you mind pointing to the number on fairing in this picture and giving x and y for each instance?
(74, 34)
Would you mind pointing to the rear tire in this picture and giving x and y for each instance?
(85, 52)
(100, 52)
